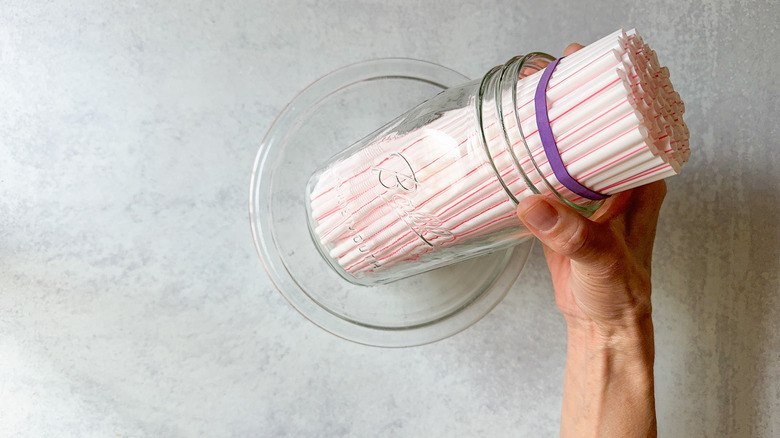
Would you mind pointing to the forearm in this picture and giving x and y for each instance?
(608, 385)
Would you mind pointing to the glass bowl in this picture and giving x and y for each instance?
(326, 117)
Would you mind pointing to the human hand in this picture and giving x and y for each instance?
(600, 266)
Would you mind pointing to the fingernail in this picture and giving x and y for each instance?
(541, 216)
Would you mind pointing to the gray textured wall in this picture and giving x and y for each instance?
(132, 302)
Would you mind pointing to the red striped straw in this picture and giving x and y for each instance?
(616, 120)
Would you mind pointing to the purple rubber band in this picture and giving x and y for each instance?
(548, 140)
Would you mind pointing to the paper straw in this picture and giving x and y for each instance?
(617, 124)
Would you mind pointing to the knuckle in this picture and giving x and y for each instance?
(612, 267)
(574, 241)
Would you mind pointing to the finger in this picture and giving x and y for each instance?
(641, 217)
(571, 48)
(615, 206)
(539, 64)
(555, 261)
(639, 203)
(566, 232)
(645, 202)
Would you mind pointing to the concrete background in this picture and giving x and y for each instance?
(132, 302)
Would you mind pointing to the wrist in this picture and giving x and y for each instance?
(609, 383)
(630, 338)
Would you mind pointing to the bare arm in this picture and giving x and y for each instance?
(608, 385)
(601, 274)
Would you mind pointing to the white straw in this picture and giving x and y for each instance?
(614, 114)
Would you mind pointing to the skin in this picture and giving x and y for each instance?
(600, 269)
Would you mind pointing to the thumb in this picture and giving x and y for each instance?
(567, 232)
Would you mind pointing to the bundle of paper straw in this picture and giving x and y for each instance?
(616, 120)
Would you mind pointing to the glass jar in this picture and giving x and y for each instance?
(435, 186)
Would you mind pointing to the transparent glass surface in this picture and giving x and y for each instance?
(324, 119)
